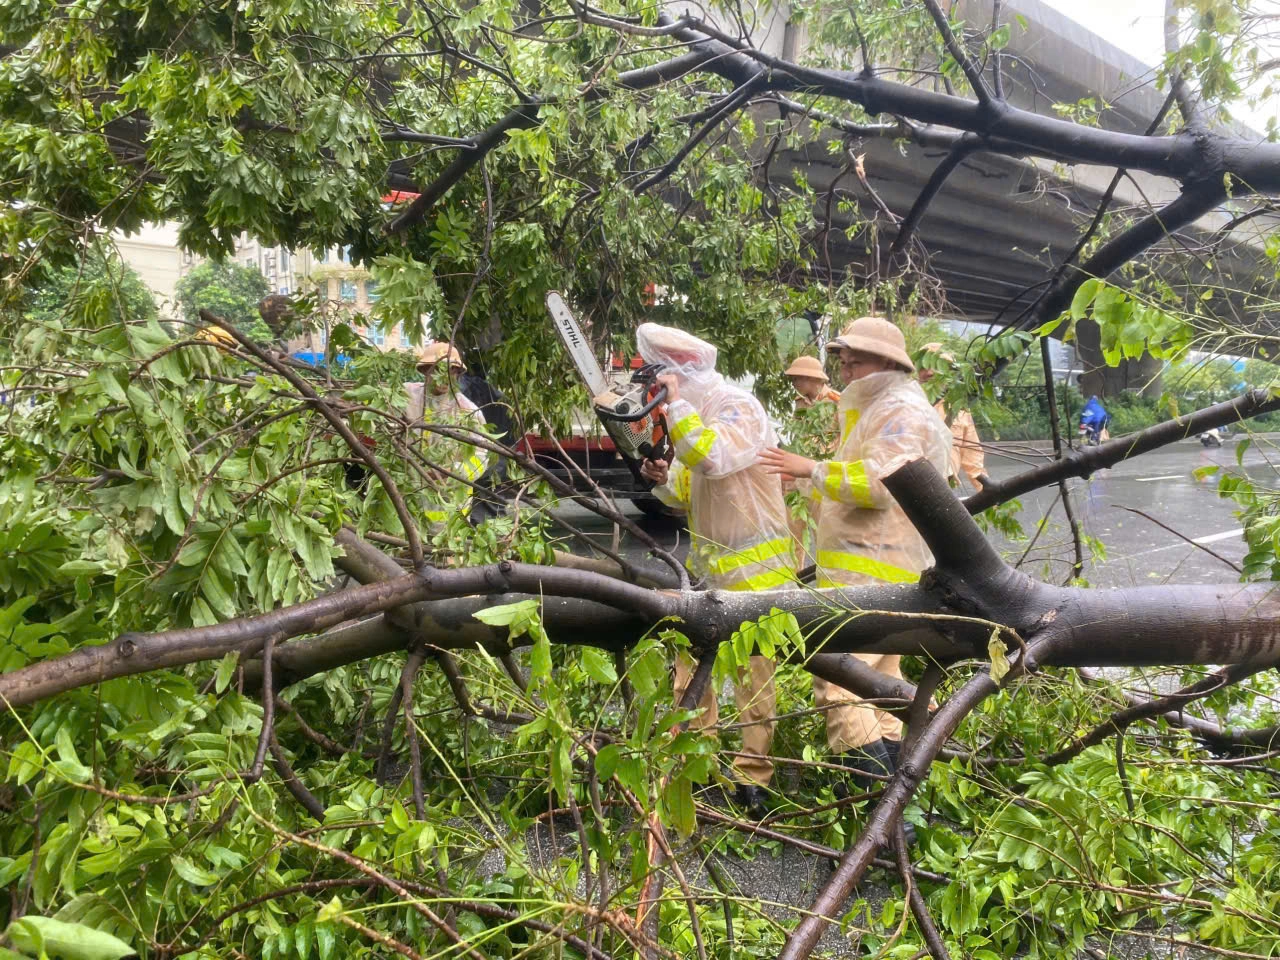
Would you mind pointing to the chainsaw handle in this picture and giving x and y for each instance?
(659, 397)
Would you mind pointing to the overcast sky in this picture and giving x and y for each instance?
(1137, 27)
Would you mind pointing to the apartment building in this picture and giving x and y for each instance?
(345, 290)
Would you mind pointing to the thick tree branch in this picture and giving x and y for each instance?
(1083, 462)
(947, 616)
(971, 70)
(965, 147)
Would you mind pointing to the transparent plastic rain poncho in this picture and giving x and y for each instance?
(737, 518)
(453, 409)
(886, 421)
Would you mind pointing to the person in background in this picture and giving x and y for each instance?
(813, 387)
(811, 382)
(1093, 421)
(864, 537)
(439, 399)
(497, 414)
(736, 516)
(966, 447)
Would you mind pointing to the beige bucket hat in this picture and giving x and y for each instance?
(432, 353)
(807, 366)
(937, 348)
(875, 336)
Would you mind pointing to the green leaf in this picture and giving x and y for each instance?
(398, 818)
(506, 614)
(325, 939)
(226, 670)
(599, 666)
(67, 941)
(25, 763)
(607, 760)
(1084, 296)
(647, 672)
(999, 660)
(80, 568)
(1241, 448)
(194, 875)
(540, 658)
(330, 911)
(677, 802)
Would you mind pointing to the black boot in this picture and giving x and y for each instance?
(750, 796)
(866, 761)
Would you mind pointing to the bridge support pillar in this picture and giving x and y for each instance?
(1142, 375)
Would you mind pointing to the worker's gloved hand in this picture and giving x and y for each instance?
(655, 470)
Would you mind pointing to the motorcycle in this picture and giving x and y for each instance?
(1090, 434)
(1211, 438)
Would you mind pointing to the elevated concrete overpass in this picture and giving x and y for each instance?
(1000, 224)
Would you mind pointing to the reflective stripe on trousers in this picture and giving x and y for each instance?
(856, 563)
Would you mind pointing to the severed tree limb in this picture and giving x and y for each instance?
(971, 70)
(411, 667)
(730, 104)
(1081, 463)
(1178, 85)
(887, 814)
(1146, 709)
(997, 78)
(919, 908)
(1164, 624)
(306, 799)
(965, 147)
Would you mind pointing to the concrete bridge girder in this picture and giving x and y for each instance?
(1000, 224)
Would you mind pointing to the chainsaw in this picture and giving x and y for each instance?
(633, 417)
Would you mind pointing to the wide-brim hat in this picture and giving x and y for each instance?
(432, 353)
(807, 366)
(936, 348)
(875, 336)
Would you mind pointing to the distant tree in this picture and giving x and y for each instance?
(227, 289)
(100, 282)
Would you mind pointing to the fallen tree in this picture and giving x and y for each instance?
(217, 745)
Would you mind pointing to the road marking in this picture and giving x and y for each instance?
(1211, 538)
(1214, 538)
(1172, 476)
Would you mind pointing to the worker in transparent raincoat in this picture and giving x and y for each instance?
(739, 539)
(967, 458)
(864, 537)
(438, 399)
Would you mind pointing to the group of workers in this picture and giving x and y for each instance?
(728, 474)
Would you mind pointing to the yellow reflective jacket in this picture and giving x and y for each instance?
(740, 538)
(967, 457)
(454, 409)
(886, 421)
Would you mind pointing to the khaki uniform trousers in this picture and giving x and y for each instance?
(852, 722)
(756, 699)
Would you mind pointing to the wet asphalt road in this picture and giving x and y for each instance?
(1134, 549)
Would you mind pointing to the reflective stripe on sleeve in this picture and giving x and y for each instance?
(684, 426)
(851, 475)
(701, 449)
